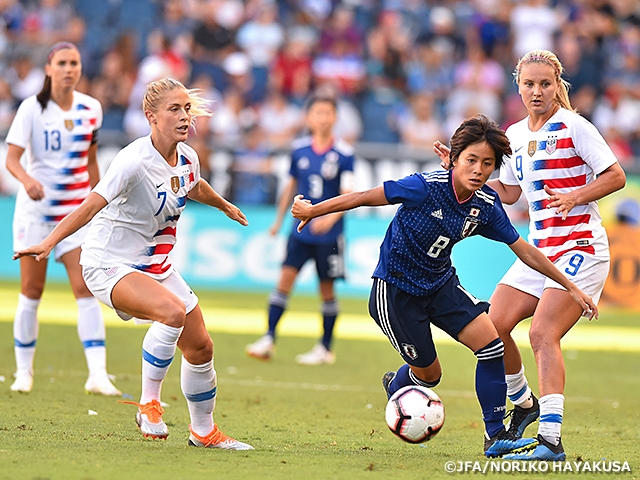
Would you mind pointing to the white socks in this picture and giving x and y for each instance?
(551, 411)
(518, 389)
(25, 333)
(198, 384)
(158, 349)
(92, 335)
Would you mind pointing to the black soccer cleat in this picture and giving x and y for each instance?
(387, 378)
(503, 442)
(521, 418)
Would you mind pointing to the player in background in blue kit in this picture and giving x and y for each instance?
(415, 283)
(321, 168)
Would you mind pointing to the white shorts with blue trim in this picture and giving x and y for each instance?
(101, 282)
(28, 234)
(586, 271)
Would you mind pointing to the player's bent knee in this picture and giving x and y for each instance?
(198, 353)
(174, 314)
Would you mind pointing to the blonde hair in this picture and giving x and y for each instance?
(157, 91)
(548, 58)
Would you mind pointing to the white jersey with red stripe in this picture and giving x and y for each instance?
(146, 197)
(56, 144)
(565, 154)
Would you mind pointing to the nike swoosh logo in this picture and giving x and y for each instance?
(518, 149)
(158, 186)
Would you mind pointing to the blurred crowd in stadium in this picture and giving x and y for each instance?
(406, 71)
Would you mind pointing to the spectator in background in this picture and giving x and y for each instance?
(262, 37)
(341, 27)
(430, 70)
(279, 120)
(112, 89)
(231, 117)
(419, 127)
(239, 76)
(533, 24)
(177, 25)
(24, 78)
(7, 107)
(252, 178)
(211, 44)
(291, 72)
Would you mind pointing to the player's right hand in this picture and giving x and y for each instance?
(443, 152)
(301, 210)
(40, 252)
(34, 189)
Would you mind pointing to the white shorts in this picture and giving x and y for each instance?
(101, 282)
(28, 234)
(587, 272)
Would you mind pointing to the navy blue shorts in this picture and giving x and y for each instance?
(406, 319)
(329, 257)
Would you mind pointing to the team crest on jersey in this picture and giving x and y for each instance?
(551, 144)
(533, 146)
(329, 170)
(175, 184)
(331, 156)
(470, 225)
(68, 124)
(303, 163)
(474, 212)
(409, 350)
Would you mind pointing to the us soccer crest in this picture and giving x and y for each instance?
(68, 124)
(551, 145)
(175, 184)
(533, 146)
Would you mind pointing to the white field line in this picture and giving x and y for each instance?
(592, 336)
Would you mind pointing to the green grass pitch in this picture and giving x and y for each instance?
(305, 422)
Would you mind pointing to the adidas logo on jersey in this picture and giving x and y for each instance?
(437, 214)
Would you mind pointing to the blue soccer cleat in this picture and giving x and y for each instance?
(503, 443)
(387, 378)
(544, 451)
(521, 418)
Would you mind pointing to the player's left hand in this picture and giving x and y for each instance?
(589, 308)
(234, 213)
(562, 202)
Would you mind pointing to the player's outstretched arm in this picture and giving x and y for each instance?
(303, 209)
(68, 225)
(534, 258)
(283, 204)
(204, 193)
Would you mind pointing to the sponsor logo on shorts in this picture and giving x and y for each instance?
(409, 350)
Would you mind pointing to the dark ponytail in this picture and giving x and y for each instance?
(45, 94)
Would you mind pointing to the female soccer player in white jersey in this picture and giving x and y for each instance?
(58, 130)
(415, 283)
(134, 211)
(562, 165)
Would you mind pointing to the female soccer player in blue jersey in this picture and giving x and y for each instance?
(57, 129)
(321, 168)
(415, 283)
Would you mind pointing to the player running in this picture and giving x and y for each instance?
(563, 166)
(58, 130)
(134, 211)
(415, 283)
(321, 168)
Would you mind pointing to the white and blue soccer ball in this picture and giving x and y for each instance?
(415, 414)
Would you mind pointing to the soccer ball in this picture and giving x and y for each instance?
(415, 414)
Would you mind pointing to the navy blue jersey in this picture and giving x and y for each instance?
(415, 255)
(318, 178)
